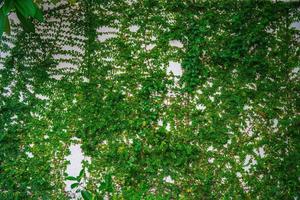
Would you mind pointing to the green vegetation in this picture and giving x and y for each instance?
(227, 128)
(26, 10)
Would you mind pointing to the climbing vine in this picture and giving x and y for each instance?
(168, 100)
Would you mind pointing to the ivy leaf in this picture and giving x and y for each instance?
(26, 23)
(71, 178)
(26, 8)
(74, 185)
(86, 195)
(81, 174)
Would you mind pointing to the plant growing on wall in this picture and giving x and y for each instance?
(169, 99)
(26, 10)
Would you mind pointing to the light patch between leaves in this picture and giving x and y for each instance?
(134, 28)
(175, 43)
(168, 179)
(174, 68)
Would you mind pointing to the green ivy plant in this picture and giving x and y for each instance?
(26, 10)
(78, 183)
(225, 126)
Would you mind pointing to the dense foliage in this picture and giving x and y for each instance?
(227, 128)
(26, 11)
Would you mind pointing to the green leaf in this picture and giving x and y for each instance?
(74, 185)
(26, 8)
(2, 22)
(39, 14)
(86, 195)
(71, 178)
(8, 6)
(72, 1)
(7, 25)
(26, 23)
(81, 174)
